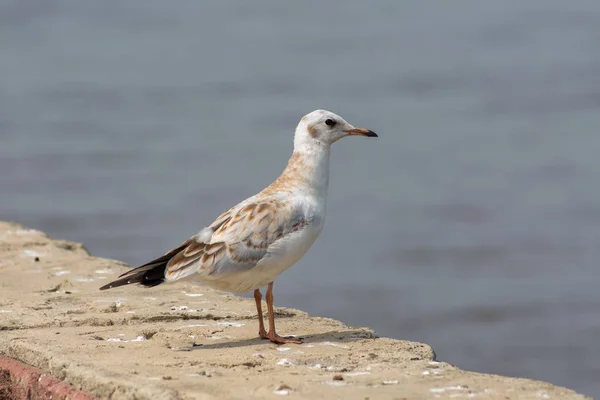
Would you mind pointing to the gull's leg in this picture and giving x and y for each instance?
(261, 325)
(272, 335)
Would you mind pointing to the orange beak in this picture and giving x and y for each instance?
(360, 132)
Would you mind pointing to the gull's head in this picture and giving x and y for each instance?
(322, 128)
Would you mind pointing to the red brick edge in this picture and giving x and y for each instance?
(20, 381)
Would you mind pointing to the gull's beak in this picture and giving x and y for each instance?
(360, 132)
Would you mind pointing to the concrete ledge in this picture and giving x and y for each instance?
(183, 341)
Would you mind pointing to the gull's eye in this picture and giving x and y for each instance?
(330, 122)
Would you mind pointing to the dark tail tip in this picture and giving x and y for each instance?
(148, 276)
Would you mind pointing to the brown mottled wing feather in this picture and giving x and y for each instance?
(241, 238)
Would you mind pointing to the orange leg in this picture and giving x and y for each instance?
(261, 325)
(272, 335)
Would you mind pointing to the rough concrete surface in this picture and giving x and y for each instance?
(183, 341)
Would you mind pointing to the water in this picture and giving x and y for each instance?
(472, 224)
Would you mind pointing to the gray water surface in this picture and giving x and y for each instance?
(472, 224)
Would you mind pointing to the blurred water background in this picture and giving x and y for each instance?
(472, 224)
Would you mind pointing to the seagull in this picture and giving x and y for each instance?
(249, 245)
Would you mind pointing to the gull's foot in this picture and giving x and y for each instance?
(263, 334)
(275, 338)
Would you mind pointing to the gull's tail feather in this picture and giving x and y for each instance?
(149, 275)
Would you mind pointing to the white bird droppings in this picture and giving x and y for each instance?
(283, 390)
(182, 308)
(443, 389)
(81, 279)
(30, 253)
(137, 339)
(285, 362)
(432, 372)
(230, 323)
(103, 271)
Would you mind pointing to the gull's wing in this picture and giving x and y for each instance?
(240, 238)
(237, 240)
